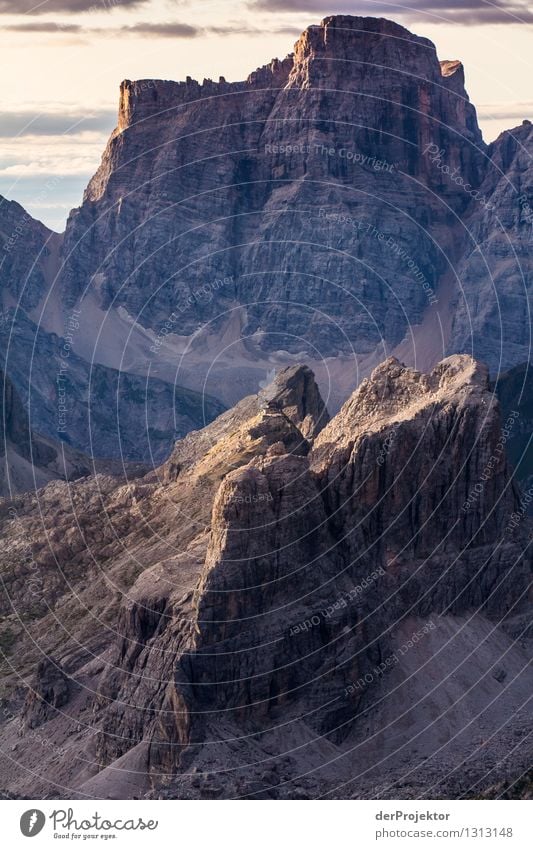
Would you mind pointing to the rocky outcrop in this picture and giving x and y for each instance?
(401, 429)
(49, 693)
(344, 590)
(282, 417)
(152, 635)
(390, 491)
(295, 392)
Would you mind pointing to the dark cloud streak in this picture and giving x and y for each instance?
(173, 30)
(43, 7)
(160, 30)
(43, 26)
(434, 11)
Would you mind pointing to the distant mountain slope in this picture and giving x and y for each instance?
(28, 254)
(29, 461)
(493, 316)
(106, 413)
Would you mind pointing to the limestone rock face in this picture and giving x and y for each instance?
(27, 249)
(266, 587)
(295, 392)
(386, 488)
(112, 413)
(335, 207)
(27, 459)
(50, 692)
(515, 392)
(107, 414)
(405, 453)
(492, 316)
(282, 417)
(319, 159)
(14, 419)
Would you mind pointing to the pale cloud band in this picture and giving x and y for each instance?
(47, 121)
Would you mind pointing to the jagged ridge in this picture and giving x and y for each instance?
(321, 556)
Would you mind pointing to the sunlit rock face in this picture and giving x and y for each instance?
(280, 615)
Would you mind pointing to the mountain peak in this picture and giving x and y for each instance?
(363, 24)
(378, 42)
(394, 393)
(295, 391)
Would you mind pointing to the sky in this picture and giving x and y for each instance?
(64, 61)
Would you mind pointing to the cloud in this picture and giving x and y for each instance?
(42, 7)
(165, 30)
(153, 30)
(47, 197)
(43, 122)
(43, 26)
(505, 111)
(30, 156)
(436, 11)
(246, 29)
(44, 167)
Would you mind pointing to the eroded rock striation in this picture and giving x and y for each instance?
(314, 157)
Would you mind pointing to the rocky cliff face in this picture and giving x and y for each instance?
(274, 614)
(515, 391)
(79, 406)
(29, 460)
(27, 253)
(492, 315)
(335, 207)
(290, 605)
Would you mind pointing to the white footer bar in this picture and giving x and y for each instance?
(264, 825)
